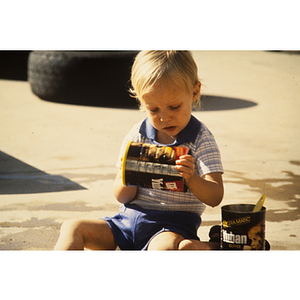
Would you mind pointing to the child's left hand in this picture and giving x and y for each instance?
(185, 167)
(208, 189)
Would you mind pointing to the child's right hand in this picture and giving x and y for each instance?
(124, 194)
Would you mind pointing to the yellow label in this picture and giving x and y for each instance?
(235, 222)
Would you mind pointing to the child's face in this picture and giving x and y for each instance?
(169, 108)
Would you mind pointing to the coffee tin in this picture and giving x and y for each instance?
(152, 166)
(242, 229)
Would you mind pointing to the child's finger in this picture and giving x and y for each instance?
(186, 174)
(186, 171)
(188, 157)
(185, 161)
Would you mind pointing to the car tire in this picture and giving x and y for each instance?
(93, 78)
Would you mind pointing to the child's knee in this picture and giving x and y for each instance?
(70, 226)
(165, 241)
(187, 244)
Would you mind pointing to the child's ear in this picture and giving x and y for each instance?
(141, 105)
(196, 91)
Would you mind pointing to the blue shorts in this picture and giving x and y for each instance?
(134, 227)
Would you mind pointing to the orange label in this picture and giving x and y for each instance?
(180, 151)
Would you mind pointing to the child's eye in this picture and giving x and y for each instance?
(175, 107)
(154, 110)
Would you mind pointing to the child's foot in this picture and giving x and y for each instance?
(267, 245)
(215, 234)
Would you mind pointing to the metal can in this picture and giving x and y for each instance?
(242, 229)
(152, 166)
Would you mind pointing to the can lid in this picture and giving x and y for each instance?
(124, 162)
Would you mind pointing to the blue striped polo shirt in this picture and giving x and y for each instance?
(207, 159)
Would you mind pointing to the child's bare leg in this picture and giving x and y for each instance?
(79, 234)
(166, 240)
(198, 245)
(173, 241)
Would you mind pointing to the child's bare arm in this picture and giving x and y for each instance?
(124, 194)
(209, 188)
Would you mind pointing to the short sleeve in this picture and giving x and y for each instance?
(207, 154)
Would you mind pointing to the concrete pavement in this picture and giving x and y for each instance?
(58, 161)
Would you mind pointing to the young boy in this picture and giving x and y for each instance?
(166, 85)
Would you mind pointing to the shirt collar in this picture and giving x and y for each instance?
(187, 135)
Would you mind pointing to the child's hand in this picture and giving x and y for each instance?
(185, 166)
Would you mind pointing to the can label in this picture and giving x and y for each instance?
(152, 166)
(242, 229)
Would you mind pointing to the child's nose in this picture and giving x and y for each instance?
(165, 117)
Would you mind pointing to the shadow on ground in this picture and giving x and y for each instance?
(13, 65)
(17, 177)
(285, 189)
(210, 103)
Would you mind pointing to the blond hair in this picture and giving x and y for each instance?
(152, 67)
